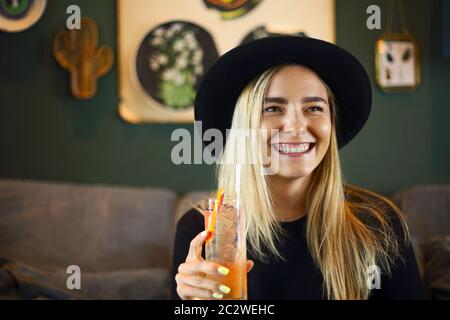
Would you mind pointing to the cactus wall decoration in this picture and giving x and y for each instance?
(78, 52)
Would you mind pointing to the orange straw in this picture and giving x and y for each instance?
(217, 206)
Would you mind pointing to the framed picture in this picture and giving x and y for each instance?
(164, 47)
(19, 15)
(397, 65)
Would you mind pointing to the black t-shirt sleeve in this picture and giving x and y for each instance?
(188, 227)
(404, 281)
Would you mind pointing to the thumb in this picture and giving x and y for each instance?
(250, 265)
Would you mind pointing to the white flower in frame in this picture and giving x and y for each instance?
(173, 75)
(181, 62)
(179, 79)
(193, 45)
(177, 27)
(157, 41)
(190, 40)
(179, 45)
(198, 70)
(168, 75)
(163, 59)
(169, 33)
(197, 56)
(154, 64)
(159, 32)
(184, 55)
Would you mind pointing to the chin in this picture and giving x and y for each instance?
(293, 174)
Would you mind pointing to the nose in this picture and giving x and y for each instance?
(295, 122)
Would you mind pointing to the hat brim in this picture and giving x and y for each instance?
(222, 84)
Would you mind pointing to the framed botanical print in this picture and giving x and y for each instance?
(165, 47)
(397, 64)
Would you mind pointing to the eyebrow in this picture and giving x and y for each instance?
(284, 101)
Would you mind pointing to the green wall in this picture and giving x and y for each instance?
(46, 134)
(407, 138)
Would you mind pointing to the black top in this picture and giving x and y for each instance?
(298, 277)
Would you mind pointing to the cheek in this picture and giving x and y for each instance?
(272, 127)
(263, 124)
(322, 130)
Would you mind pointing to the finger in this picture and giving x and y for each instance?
(195, 248)
(207, 267)
(250, 265)
(187, 292)
(203, 283)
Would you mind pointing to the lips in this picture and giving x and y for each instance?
(294, 149)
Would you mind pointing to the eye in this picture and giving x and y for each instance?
(272, 109)
(315, 109)
(406, 54)
(389, 57)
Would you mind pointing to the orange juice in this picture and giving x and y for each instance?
(227, 246)
(236, 280)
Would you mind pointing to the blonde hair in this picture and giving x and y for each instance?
(348, 228)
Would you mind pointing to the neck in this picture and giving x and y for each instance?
(290, 197)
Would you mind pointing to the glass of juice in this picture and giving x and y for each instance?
(226, 244)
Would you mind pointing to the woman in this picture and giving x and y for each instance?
(309, 235)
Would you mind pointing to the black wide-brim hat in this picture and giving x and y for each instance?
(224, 81)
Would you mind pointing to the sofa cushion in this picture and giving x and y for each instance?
(99, 228)
(427, 209)
(418, 248)
(21, 281)
(437, 259)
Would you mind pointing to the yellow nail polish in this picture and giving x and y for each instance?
(224, 289)
(217, 295)
(223, 270)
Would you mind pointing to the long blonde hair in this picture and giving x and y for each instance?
(348, 228)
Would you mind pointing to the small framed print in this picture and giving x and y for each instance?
(397, 66)
(19, 15)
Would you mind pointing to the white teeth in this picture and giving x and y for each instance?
(293, 148)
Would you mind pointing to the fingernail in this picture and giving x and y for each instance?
(223, 270)
(224, 289)
(204, 233)
(217, 295)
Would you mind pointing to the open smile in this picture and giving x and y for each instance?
(294, 149)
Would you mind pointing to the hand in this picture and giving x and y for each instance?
(191, 277)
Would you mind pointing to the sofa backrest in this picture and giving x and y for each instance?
(427, 209)
(99, 228)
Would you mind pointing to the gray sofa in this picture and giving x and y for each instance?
(121, 238)
(427, 209)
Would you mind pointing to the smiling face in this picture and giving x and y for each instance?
(296, 104)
